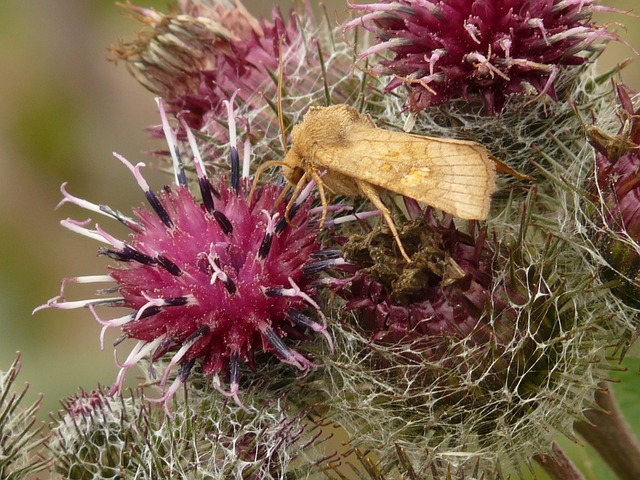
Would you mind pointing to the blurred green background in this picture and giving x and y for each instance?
(65, 109)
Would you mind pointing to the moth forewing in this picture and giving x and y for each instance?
(452, 175)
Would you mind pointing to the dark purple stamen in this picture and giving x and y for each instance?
(326, 254)
(311, 269)
(136, 227)
(235, 169)
(265, 246)
(138, 256)
(176, 301)
(223, 221)
(151, 311)
(282, 222)
(182, 177)
(120, 339)
(277, 343)
(230, 286)
(299, 318)
(112, 254)
(185, 369)
(158, 208)
(200, 332)
(207, 194)
(273, 291)
(168, 265)
(127, 254)
(108, 290)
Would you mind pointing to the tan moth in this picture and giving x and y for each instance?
(360, 160)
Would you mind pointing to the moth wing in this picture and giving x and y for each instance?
(453, 175)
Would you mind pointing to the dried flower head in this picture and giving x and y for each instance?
(207, 52)
(197, 57)
(467, 349)
(212, 280)
(447, 282)
(488, 48)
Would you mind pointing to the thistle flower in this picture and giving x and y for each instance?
(617, 200)
(214, 280)
(467, 357)
(98, 435)
(491, 49)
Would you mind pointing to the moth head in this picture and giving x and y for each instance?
(292, 168)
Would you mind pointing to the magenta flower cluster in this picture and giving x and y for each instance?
(214, 279)
(446, 49)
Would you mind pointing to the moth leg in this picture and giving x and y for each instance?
(256, 176)
(373, 196)
(296, 193)
(316, 178)
(283, 194)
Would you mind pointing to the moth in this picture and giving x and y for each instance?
(346, 154)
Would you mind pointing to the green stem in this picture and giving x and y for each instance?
(557, 465)
(607, 432)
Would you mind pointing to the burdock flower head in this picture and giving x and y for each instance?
(212, 280)
(445, 49)
(617, 199)
(98, 435)
(467, 357)
(197, 57)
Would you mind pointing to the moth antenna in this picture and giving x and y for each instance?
(283, 136)
(259, 171)
(316, 178)
(325, 81)
(296, 193)
(371, 193)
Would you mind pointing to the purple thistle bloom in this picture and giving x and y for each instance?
(213, 280)
(448, 49)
